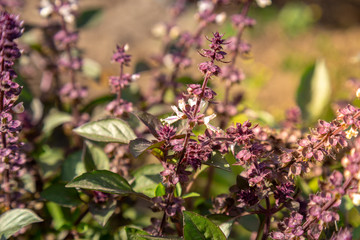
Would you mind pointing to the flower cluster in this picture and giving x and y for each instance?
(11, 157)
(66, 43)
(119, 106)
(215, 53)
(67, 9)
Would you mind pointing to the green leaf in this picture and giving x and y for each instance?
(139, 146)
(72, 167)
(178, 190)
(218, 161)
(95, 158)
(91, 68)
(224, 222)
(102, 180)
(141, 66)
(102, 212)
(296, 18)
(29, 182)
(160, 190)
(107, 130)
(191, 194)
(152, 122)
(55, 119)
(69, 197)
(314, 91)
(147, 179)
(134, 233)
(89, 107)
(250, 222)
(50, 160)
(138, 234)
(199, 227)
(89, 17)
(13, 220)
(160, 238)
(57, 215)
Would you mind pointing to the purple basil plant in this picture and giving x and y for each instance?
(138, 166)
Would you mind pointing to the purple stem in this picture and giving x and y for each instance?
(6, 177)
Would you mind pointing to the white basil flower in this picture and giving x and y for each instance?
(263, 3)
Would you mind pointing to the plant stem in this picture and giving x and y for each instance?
(162, 225)
(197, 105)
(267, 219)
(120, 75)
(77, 222)
(210, 177)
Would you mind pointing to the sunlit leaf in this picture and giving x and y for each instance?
(160, 190)
(314, 91)
(54, 119)
(191, 194)
(15, 219)
(107, 130)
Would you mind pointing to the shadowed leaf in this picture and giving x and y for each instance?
(102, 212)
(102, 180)
(69, 197)
(152, 122)
(199, 227)
(140, 145)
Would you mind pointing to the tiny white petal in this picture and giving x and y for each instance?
(159, 30)
(168, 61)
(178, 113)
(209, 118)
(192, 101)
(351, 133)
(205, 6)
(358, 93)
(46, 11)
(355, 197)
(135, 77)
(263, 3)
(220, 18)
(69, 18)
(181, 104)
(203, 106)
(18, 108)
(170, 120)
(208, 125)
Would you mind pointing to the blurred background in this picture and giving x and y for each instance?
(288, 38)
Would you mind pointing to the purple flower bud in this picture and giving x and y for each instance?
(277, 235)
(343, 234)
(120, 56)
